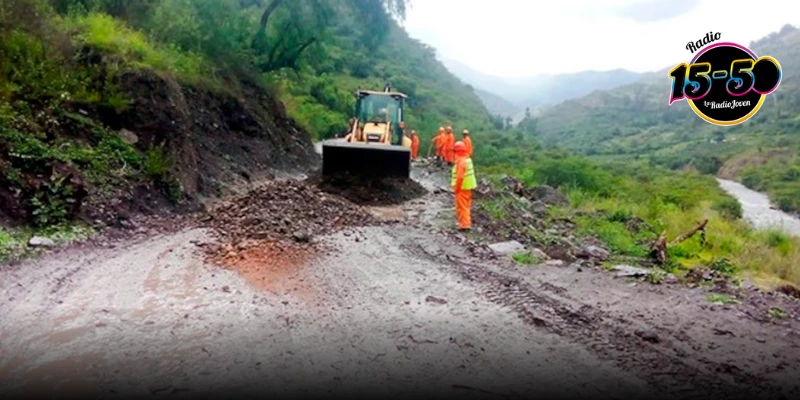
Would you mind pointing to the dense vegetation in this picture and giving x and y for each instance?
(634, 122)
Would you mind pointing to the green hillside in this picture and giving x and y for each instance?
(635, 121)
(98, 96)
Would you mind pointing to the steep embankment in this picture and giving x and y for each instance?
(98, 122)
(635, 121)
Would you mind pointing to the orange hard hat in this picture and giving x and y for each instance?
(460, 147)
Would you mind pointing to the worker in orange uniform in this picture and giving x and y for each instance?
(450, 139)
(463, 183)
(438, 143)
(467, 142)
(414, 145)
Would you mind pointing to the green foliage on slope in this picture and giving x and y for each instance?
(635, 121)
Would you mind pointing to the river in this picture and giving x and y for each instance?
(758, 210)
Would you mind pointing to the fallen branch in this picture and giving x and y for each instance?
(701, 227)
(658, 250)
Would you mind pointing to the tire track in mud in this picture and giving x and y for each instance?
(609, 337)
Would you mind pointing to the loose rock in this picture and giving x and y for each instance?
(539, 254)
(554, 263)
(38, 241)
(592, 251)
(624, 271)
(648, 336)
(507, 248)
(548, 195)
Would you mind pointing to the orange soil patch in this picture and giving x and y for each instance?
(274, 266)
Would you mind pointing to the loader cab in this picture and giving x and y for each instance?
(377, 109)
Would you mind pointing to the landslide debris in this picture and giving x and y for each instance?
(284, 210)
(271, 266)
(370, 191)
(267, 234)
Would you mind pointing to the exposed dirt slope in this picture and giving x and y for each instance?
(217, 139)
(214, 141)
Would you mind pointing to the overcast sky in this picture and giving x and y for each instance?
(515, 38)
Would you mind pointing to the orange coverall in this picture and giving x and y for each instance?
(468, 142)
(414, 146)
(463, 197)
(449, 141)
(438, 142)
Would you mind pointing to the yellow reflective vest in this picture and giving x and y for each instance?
(469, 182)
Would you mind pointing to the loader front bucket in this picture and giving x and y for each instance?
(367, 160)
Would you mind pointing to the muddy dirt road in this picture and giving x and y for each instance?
(392, 310)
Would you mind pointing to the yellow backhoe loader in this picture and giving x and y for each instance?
(375, 145)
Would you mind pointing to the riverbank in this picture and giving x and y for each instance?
(758, 210)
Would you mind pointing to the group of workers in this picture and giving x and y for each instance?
(445, 142)
(457, 154)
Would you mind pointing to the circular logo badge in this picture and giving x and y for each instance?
(726, 83)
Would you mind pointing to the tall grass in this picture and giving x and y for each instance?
(133, 48)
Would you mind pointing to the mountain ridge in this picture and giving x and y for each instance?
(536, 91)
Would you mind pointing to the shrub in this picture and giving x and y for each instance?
(729, 207)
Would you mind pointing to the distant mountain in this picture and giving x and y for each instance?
(537, 91)
(557, 88)
(496, 104)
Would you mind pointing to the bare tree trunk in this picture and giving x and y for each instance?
(658, 250)
(700, 227)
(268, 12)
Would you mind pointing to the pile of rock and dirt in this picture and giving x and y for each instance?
(370, 191)
(268, 234)
(284, 210)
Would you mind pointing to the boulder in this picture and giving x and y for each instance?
(539, 208)
(548, 195)
(128, 137)
(592, 251)
(539, 254)
(39, 241)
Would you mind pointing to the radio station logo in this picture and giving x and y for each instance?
(725, 83)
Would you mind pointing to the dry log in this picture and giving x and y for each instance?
(700, 227)
(659, 248)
